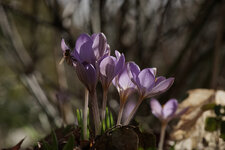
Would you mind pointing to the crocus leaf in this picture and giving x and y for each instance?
(211, 124)
(103, 125)
(54, 141)
(107, 118)
(78, 117)
(70, 144)
(111, 120)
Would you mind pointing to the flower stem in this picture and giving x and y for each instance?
(95, 111)
(162, 136)
(134, 111)
(120, 112)
(86, 94)
(104, 101)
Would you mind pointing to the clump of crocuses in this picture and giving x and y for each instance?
(93, 63)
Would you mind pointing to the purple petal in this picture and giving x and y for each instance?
(153, 71)
(83, 38)
(146, 80)
(156, 108)
(108, 49)
(93, 36)
(87, 75)
(99, 45)
(124, 80)
(117, 53)
(76, 56)
(170, 108)
(128, 109)
(107, 66)
(64, 47)
(161, 87)
(159, 79)
(86, 52)
(119, 64)
(134, 70)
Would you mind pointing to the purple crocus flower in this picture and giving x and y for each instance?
(110, 67)
(147, 83)
(125, 88)
(91, 49)
(124, 84)
(86, 56)
(166, 112)
(88, 52)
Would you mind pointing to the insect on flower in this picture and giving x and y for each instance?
(66, 54)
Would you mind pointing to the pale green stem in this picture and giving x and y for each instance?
(122, 103)
(86, 95)
(95, 110)
(162, 135)
(104, 102)
(134, 111)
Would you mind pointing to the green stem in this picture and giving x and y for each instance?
(134, 110)
(95, 111)
(162, 135)
(104, 101)
(86, 94)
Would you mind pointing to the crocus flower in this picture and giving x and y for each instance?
(166, 112)
(91, 49)
(88, 52)
(110, 67)
(147, 83)
(125, 88)
(124, 85)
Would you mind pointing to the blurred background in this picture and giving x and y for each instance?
(182, 38)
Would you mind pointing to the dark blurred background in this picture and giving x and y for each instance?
(182, 38)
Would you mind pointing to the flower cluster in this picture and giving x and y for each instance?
(93, 63)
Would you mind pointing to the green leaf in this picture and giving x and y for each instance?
(103, 125)
(88, 133)
(107, 118)
(78, 117)
(70, 144)
(111, 120)
(211, 124)
(54, 141)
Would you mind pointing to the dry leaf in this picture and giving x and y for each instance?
(189, 133)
